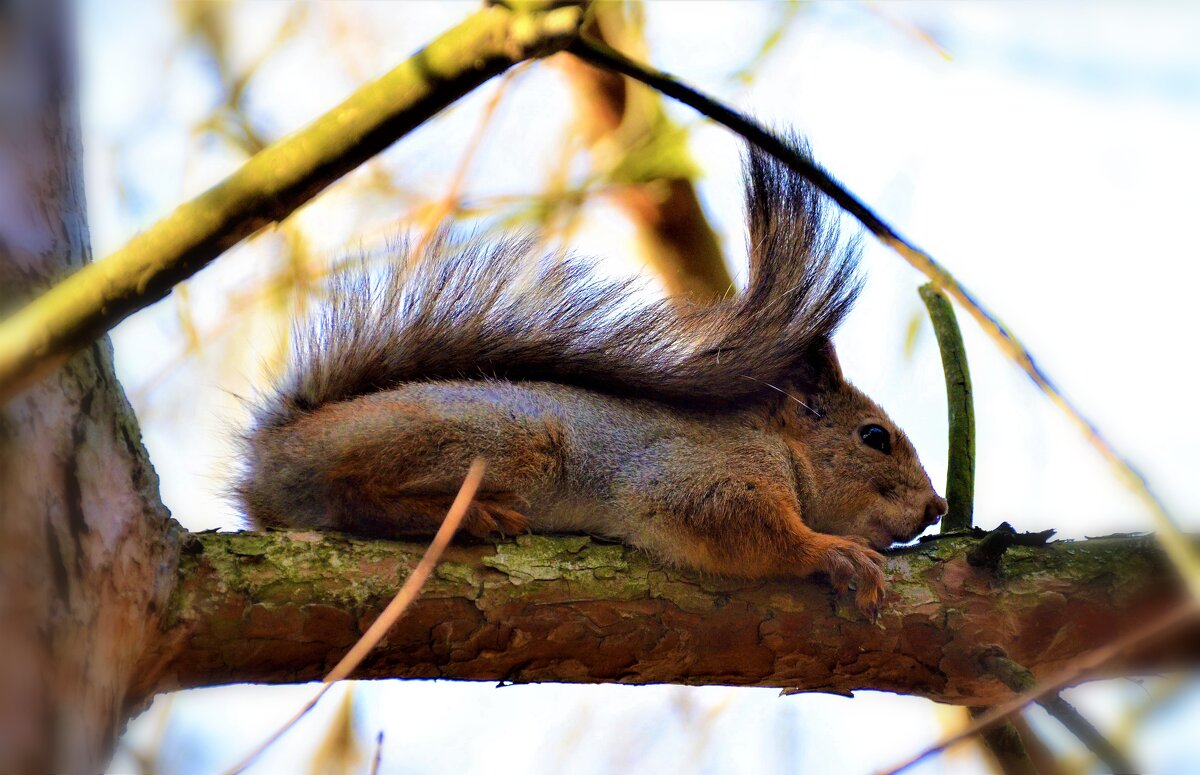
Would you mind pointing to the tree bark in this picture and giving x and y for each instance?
(87, 551)
(283, 607)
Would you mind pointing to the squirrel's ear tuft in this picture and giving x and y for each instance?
(824, 369)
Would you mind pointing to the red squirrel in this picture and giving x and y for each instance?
(721, 438)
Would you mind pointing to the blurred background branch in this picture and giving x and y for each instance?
(644, 154)
(272, 184)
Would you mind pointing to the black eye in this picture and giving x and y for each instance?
(876, 437)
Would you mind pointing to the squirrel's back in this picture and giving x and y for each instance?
(501, 309)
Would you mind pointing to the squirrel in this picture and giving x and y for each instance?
(721, 438)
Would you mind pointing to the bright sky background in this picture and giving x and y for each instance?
(1050, 161)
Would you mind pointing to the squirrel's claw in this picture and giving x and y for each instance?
(848, 562)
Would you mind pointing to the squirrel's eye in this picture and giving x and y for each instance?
(876, 437)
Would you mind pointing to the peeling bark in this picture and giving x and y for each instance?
(283, 607)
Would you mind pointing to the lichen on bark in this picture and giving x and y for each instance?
(282, 607)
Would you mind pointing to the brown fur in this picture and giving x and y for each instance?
(719, 438)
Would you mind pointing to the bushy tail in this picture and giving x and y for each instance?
(499, 309)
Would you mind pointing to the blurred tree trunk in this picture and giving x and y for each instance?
(86, 556)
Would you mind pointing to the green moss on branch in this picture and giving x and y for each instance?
(282, 607)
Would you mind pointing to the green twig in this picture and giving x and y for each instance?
(271, 185)
(960, 466)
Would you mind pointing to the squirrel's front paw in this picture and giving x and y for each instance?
(850, 560)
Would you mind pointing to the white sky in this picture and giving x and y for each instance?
(1051, 163)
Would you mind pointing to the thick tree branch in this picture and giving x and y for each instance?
(271, 185)
(283, 607)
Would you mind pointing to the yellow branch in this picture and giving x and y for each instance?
(271, 185)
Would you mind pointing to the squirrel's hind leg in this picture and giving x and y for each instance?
(389, 465)
(389, 515)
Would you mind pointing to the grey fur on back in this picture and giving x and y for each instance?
(500, 309)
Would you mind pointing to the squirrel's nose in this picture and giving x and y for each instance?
(934, 510)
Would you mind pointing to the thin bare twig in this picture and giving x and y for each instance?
(378, 757)
(452, 199)
(909, 29)
(1112, 757)
(1069, 675)
(395, 609)
(1173, 540)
